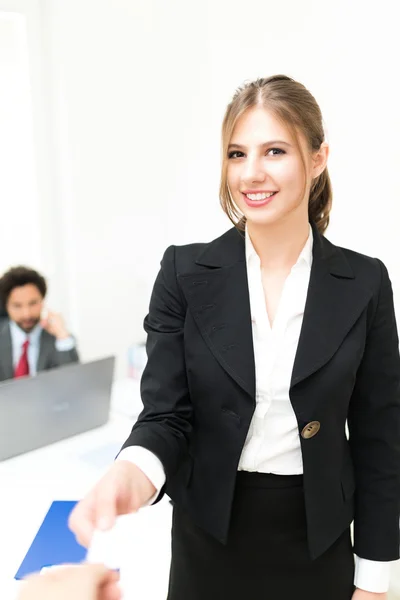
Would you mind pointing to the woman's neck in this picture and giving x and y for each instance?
(279, 245)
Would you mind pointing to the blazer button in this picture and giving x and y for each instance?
(310, 430)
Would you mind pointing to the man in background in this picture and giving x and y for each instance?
(30, 341)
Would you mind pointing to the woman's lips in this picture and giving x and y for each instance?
(258, 203)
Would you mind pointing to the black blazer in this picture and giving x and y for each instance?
(198, 390)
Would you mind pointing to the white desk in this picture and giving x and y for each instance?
(66, 471)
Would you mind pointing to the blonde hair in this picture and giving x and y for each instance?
(295, 106)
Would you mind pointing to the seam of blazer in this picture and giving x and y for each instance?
(379, 263)
(182, 297)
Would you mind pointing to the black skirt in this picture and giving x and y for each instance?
(266, 556)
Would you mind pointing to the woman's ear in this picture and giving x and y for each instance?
(320, 159)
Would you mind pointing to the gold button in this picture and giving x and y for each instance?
(310, 430)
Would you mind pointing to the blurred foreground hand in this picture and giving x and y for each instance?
(75, 582)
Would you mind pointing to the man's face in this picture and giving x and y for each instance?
(24, 306)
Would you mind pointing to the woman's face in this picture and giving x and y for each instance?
(265, 171)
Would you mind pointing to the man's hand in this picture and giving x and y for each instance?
(54, 324)
(79, 582)
(363, 595)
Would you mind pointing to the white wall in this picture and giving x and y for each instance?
(19, 194)
(136, 92)
(29, 229)
(114, 164)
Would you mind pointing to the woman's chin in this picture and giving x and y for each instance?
(262, 217)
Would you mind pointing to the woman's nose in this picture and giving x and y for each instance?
(254, 172)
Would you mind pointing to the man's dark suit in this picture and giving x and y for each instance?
(49, 356)
(198, 390)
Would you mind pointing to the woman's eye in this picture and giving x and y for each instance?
(270, 152)
(276, 151)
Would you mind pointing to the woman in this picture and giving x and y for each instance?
(261, 345)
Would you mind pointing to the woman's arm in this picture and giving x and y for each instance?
(374, 428)
(165, 424)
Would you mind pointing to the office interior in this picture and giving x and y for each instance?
(110, 116)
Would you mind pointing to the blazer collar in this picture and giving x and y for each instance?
(229, 249)
(218, 298)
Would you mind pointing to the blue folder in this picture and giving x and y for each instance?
(54, 543)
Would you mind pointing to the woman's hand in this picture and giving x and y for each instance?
(122, 490)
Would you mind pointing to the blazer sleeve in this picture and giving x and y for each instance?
(66, 357)
(51, 356)
(374, 434)
(165, 423)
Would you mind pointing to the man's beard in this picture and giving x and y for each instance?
(27, 326)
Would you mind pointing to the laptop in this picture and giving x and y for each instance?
(54, 405)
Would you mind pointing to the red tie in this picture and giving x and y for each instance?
(22, 367)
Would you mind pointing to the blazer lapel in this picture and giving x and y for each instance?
(218, 299)
(6, 356)
(334, 302)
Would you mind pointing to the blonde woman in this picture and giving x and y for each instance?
(261, 346)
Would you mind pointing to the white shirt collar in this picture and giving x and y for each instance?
(19, 336)
(304, 256)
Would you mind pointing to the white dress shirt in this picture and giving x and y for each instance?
(18, 337)
(273, 444)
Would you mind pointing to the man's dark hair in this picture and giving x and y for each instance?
(17, 277)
